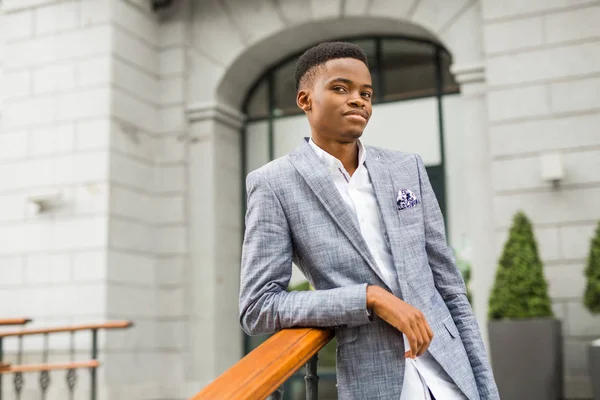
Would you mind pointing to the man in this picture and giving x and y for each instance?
(365, 228)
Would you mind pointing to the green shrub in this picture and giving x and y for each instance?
(300, 287)
(465, 270)
(592, 272)
(520, 289)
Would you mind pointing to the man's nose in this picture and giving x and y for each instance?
(356, 102)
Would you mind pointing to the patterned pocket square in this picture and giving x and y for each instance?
(406, 199)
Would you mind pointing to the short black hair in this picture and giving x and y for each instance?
(316, 56)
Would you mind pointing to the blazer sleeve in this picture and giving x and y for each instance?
(265, 305)
(451, 286)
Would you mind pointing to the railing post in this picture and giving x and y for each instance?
(312, 379)
(94, 357)
(71, 374)
(18, 380)
(45, 375)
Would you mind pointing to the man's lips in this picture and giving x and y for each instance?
(360, 113)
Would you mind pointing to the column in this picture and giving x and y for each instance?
(215, 199)
(471, 78)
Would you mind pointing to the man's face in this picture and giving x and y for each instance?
(339, 101)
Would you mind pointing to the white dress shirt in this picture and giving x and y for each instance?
(423, 373)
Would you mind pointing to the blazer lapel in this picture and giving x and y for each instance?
(385, 191)
(317, 178)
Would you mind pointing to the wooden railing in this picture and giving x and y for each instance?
(268, 366)
(73, 328)
(14, 321)
(44, 367)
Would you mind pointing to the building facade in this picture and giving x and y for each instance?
(137, 126)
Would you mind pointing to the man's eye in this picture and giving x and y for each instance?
(367, 95)
(340, 89)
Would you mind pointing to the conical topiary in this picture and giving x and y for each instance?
(591, 298)
(520, 290)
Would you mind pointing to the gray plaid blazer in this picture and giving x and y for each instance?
(296, 214)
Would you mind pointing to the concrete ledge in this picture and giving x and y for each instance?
(219, 112)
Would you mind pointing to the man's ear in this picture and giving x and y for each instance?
(303, 100)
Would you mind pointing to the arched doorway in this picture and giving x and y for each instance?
(227, 70)
(413, 87)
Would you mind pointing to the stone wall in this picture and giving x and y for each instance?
(55, 107)
(93, 109)
(55, 102)
(543, 76)
(147, 242)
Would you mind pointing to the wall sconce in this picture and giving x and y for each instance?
(46, 201)
(552, 167)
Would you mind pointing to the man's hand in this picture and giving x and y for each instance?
(403, 317)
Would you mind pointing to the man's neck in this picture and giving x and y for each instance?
(347, 153)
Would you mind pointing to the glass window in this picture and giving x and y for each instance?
(258, 104)
(257, 145)
(411, 125)
(284, 82)
(288, 133)
(408, 69)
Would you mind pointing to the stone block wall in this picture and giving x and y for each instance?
(543, 78)
(147, 223)
(55, 102)
(55, 107)
(93, 108)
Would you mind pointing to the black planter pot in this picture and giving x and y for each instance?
(527, 358)
(594, 365)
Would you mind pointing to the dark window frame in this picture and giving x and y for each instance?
(378, 83)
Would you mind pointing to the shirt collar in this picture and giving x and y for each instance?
(333, 163)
